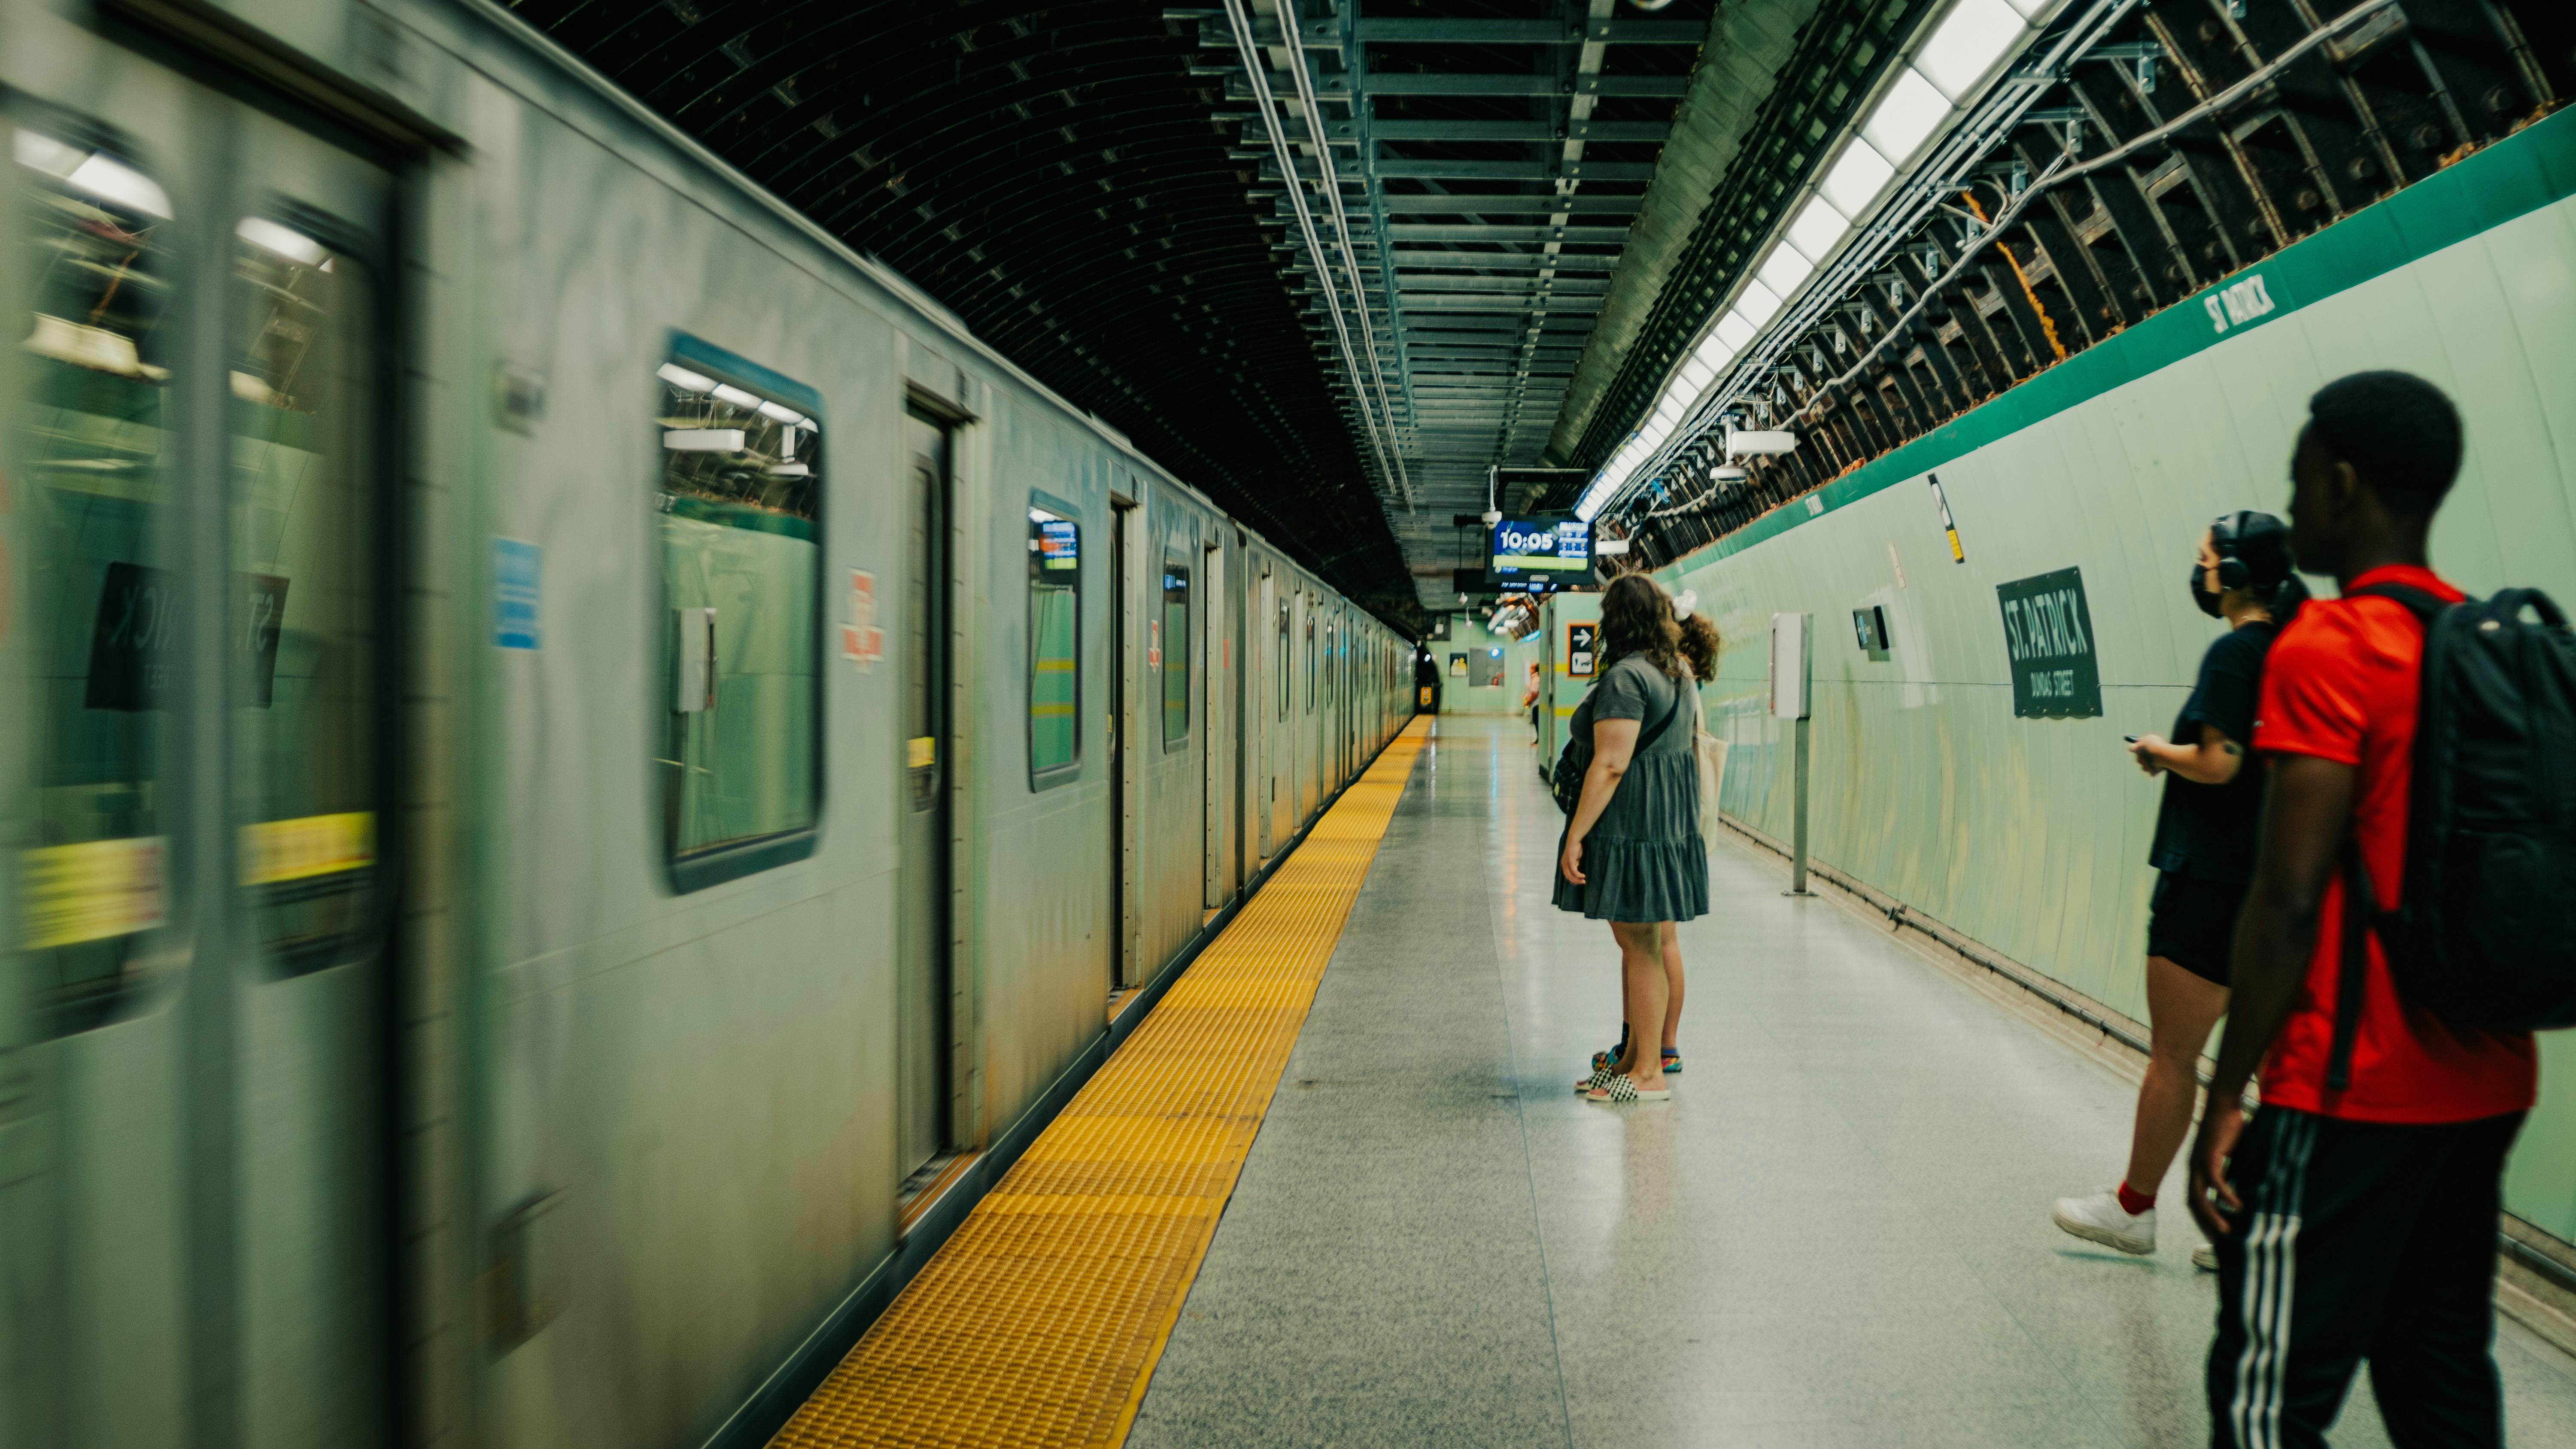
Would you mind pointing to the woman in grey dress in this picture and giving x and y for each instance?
(1632, 853)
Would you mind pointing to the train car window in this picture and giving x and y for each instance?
(1280, 665)
(89, 524)
(303, 656)
(739, 520)
(1055, 646)
(1176, 656)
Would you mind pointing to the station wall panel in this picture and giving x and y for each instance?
(2032, 834)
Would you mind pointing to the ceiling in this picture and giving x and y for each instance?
(1052, 174)
(1523, 196)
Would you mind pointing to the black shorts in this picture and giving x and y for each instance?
(2192, 923)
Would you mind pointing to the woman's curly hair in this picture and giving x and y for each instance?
(1637, 618)
(1699, 646)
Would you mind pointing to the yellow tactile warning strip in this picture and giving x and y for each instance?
(1040, 1321)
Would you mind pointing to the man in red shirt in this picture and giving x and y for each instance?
(2353, 1222)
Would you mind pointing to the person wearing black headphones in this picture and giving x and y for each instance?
(2204, 858)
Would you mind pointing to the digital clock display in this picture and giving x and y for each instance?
(1550, 544)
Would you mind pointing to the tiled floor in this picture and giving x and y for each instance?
(1836, 1234)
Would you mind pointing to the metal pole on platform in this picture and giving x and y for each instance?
(1792, 677)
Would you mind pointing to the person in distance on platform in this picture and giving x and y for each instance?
(1699, 647)
(2203, 855)
(1529, 700)
(2356, 1220)
(1632, 854)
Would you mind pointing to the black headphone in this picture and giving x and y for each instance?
(2228, 532)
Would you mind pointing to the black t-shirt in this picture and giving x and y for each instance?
(2207, 831)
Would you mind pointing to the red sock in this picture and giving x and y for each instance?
(2134, 1203)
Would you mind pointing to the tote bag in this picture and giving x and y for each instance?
(1709, 753)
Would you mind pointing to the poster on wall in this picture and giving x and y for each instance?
(2048, 638)
(1457, 664)
(1489, 670)
(1582, 640)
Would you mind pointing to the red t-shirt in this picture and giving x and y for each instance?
(2341, 684)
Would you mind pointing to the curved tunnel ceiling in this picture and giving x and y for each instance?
(1052, 174)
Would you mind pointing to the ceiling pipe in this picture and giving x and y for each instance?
(1259, 70)
(1289, 27)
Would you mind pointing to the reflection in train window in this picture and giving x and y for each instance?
(1176, 656)
(303, 650)
(88, 524)
(738, 505)
(1055, 647)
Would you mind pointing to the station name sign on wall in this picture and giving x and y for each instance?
(2048, 636)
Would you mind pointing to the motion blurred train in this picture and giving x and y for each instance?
(583, 764)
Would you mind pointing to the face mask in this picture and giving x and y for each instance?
(2207, 600)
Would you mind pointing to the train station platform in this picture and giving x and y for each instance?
(1836, 1233)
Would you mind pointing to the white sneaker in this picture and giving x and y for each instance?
(2099, 1219)
(2205, 1258)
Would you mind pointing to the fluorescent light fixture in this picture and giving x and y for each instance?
(703, 440)
(790, 470)
(1734, 331)
(1910, 111)
(43, 153)
(1854, 181)
(1784, 271)
(736, 396)
(1818, 228)
(1610, 547)
(283, 241)
(683, 379)
(1695, 375)
(1758, 303)
(117, 182)
(775, 413)
(2032, 10)
(1759, 444)
(1966, 45)
(1714, 351)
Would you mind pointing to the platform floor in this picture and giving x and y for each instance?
(1836, 1233)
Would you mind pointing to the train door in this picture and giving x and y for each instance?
(1271, 645)
(1310, 730)
(1125, 671)
(193, 1148)
(1216, 719)
(922, 1014)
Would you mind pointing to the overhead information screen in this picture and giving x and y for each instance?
(1551, 545)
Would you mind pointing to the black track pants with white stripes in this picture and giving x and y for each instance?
(2360, 1240)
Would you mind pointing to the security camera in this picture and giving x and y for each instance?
(1493, 516)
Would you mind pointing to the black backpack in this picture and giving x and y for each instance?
(2486, 933)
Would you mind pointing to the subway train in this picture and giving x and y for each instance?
(584, 764)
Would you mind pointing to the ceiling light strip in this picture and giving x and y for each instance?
(1976, 140)
(1753, 345)
(1257, 66)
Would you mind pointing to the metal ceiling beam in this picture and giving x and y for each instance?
(1447, 169)
(1340, 87)
(1597, 235)
(1345, 133)
(1474, 203)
